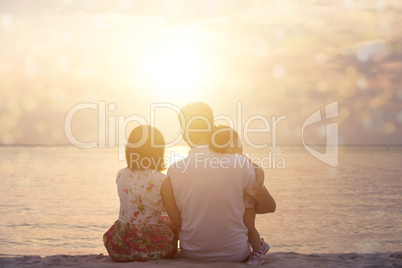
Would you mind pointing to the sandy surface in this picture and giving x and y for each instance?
(284, 259)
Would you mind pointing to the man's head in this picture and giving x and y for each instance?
(196, 121)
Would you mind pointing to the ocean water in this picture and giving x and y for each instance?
(60, 200)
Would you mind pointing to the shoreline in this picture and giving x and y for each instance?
(278, 259)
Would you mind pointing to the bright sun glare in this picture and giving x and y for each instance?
(174, 65)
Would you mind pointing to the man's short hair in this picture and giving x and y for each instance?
(197, 115)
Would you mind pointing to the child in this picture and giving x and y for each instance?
(226, 140)
(141, 233)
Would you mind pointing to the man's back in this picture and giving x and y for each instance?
(208, 188)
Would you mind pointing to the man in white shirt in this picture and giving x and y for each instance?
(203, 194)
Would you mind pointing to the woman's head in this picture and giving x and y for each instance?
(225, 139)
(145, 149)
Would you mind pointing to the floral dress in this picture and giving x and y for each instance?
(140, 233)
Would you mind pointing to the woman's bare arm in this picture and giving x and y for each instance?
(265, 203)
(170, 202)
(259, 178)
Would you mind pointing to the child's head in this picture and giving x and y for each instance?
(225, 139)
(145, 149)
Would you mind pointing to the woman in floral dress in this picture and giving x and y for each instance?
(141, 233)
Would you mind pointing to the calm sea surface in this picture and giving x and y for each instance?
(60, 200)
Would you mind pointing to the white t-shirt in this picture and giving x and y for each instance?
(208, 188)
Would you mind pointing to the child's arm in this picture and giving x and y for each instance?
(259, 178)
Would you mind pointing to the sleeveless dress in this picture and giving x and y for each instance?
(140, 233)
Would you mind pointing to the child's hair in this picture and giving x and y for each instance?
(145, 149)
(223, 138)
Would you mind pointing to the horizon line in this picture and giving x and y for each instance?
(107, 147)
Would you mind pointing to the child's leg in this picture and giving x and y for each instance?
(253, 235)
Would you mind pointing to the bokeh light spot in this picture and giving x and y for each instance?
(17, 134)
(381, 5)
(361, 83)
(41, 128)
(30, 105)
(174, 6)
(385, 30)
(100, 21)
(7, 122)
(344, 112)
(87, 4)
(6, 20)
(7, 138)
(322, 86)
(399, 117)
(367, 123)
(372, 50)
(390, 127)
(399, 94)
(64, 63)
(57, 134)
(13, 107)
(279, 33)
(30, 67)
(68, 2)
(351, 72)
(346, 88)
(67, 37)
(279, 71)
(125, 4)
(280, 87)
(320, 58)
(261, 47)
(375, 103)
(349, 3)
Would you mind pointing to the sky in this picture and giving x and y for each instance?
(96, 69)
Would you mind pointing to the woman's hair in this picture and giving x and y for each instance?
(223, 138)
(145, 149)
